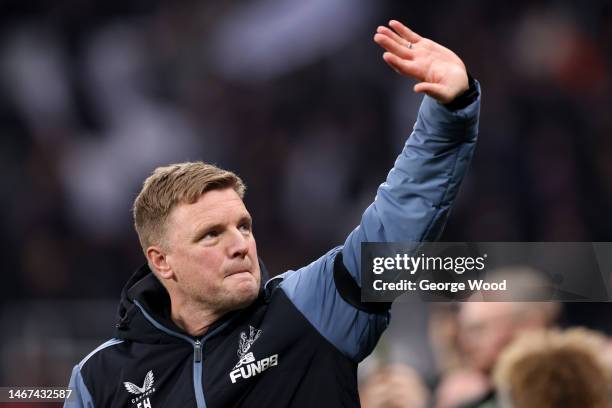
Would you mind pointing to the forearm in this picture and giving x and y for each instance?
(414, 201)
(411, 205)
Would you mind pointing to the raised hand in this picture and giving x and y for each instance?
(440, 72)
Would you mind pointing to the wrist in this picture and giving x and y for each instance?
(466, 98)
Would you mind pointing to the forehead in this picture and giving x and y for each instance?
(215, 206)
(484, 312)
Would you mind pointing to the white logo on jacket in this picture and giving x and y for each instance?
(247, 366)
(142, 393)
(244, 344)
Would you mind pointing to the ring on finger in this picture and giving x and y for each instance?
(409, 45)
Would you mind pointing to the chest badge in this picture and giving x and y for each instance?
(141, 394)
(247, 365)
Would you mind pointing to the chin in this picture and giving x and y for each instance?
(245, 293)
(244, 300)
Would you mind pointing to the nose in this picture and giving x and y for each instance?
(238, 246)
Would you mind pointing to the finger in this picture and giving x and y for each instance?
(392, 34)
(404, 31)
(394, 68)
(404, 67)
(393, 47)
(436, 91)
(391, 63)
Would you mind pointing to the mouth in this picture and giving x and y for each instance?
(237, 272)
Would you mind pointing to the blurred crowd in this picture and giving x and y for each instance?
(499, 354)
(294, 97)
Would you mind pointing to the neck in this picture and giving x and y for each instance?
(194, 318)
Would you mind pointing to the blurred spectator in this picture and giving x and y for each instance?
(459, 386)
(394, 386)
(486, 328)
(547, 369)
(444, 333)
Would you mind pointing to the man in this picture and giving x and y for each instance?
(485, 330)
(550, 368)
(200, 326)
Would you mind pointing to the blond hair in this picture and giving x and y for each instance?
(172, 185)
(552, 369)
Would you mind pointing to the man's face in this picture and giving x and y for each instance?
(211, 251)
(485, 329)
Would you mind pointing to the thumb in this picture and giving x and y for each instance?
(436, 91)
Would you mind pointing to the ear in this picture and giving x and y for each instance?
(158, 259)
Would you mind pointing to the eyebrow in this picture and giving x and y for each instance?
(246, 217)
(200, 229)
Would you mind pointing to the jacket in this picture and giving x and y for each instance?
(300, 342)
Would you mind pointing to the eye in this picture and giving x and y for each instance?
(245, 226)
(210, 234)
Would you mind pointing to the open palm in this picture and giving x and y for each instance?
(440, 72)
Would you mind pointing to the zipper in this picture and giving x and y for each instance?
(197, 373)
(197, 351)
(197, 355)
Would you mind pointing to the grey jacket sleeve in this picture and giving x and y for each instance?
(80, 397)
(411, 205)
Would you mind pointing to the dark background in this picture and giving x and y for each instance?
(295, 98)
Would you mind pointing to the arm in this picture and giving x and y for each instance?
(412, 204)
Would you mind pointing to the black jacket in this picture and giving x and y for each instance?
(300, 342)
